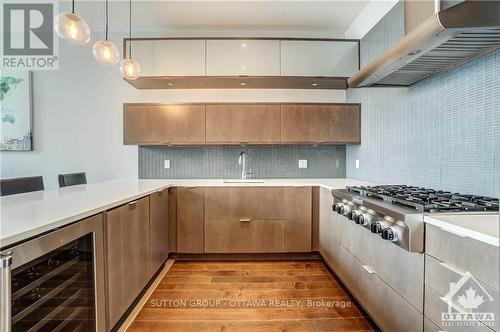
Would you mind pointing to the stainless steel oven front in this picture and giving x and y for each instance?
(55, 282)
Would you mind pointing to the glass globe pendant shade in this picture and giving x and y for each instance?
(72, 28)
(130, 69)
(106, 52)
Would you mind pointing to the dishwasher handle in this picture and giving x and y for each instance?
(5, 291)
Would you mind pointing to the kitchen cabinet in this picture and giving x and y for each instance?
(249, 123)
(228, 57)
(391, 311)
(163, 124)
(127, 255)
(298, 215)
(321, 123)
(190, 220)
(170, 57)
(258, 219)
(159, 229)
(319, 58)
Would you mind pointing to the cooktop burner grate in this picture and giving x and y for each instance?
(427, 200)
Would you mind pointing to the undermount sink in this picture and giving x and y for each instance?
(243, 181)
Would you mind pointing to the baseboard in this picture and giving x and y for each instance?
(247, 257)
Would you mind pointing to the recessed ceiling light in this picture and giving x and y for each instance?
(243, 84)
(244, 45)
(170, 84)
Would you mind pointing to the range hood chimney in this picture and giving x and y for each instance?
(439, 36)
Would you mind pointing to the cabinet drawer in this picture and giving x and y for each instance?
(402, 270)
(386, 306)
(467, 254)
(435, 305)
(245, 202)
(244, 235)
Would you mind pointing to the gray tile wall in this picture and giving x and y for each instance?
(443, 132)
(221, 162)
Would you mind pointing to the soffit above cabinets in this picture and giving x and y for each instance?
(251, 63)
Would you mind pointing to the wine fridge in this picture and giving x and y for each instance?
(55, 282)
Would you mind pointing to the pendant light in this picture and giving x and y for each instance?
(129, 67)
(105, 51)
(72, 28)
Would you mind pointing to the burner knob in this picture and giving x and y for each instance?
(351, 215)
(389, 234)
(360, 219)
(376, 228)
(340, 209)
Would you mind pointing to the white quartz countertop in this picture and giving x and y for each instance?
(27, 215)
(482, 227)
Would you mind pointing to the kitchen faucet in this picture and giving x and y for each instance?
(242, 160)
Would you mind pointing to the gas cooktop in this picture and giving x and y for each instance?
(426, 200)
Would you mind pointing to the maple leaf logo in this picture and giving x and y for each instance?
(470, 300)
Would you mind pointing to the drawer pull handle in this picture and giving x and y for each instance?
(454, 233)
(245, 220)
(452, 268)
(132, 203)
(369, 269)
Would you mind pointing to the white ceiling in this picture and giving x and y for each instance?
(157, 16)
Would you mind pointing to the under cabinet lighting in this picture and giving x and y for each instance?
(314, 84)
(170, 84)
(243, 84)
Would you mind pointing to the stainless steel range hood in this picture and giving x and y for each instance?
(445, 40)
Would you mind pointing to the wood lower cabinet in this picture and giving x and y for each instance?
(249, 123)
(258, 219)
(321, 123)
(190, 220)
(163, 124)
(298, 226)
(159, 229)
(127, 252)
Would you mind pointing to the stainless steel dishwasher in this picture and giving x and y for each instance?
(55, 282)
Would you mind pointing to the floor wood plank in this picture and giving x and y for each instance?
(250, 296)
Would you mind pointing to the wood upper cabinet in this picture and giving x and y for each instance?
(243, 57)
(321, 123)
(167, 124)
(190, 220)
(128, 251)
(159, 229)
(249, 123)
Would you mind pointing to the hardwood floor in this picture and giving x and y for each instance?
(250, 296)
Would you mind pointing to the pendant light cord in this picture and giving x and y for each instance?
(73, 6)
(106, 10)
(130, 29)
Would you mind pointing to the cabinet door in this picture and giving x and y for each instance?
(320, 123)
(298, 209)
(244, 235)
(159, 229)
(189, 220)
(236, 123)
(170, 57)
(127, 248)
(154, 124)
(259, 203)
(243, 57)
(319, 58)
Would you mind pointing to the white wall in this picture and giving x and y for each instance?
(78, 117)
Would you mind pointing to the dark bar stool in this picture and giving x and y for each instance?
(21, 185)
(72, 179)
